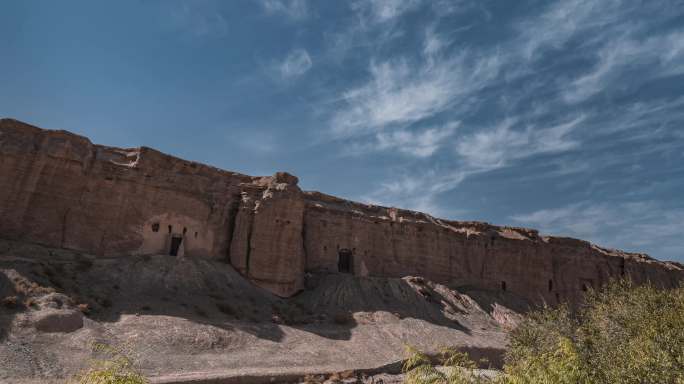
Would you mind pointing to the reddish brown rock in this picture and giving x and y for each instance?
(61, 190)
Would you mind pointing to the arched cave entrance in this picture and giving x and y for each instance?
(345, 261)
(175, 245)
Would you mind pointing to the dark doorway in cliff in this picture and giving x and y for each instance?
(175, 245)
(344, 262)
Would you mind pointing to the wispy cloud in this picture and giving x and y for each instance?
(523, 98)
(420, 143)
(636, 226)
(381, 11)
(495, 148)
(484, 151)
(293, 9)
(199, 19)
(297, 63)
(402, 93)
(418, 191)
(655, 56)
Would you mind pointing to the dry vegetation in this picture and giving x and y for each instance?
(622, 334)
(115, 367)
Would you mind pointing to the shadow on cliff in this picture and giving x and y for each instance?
(348, 301)
(488, 299)
(201, 291)
(8, 305)
(213, 293)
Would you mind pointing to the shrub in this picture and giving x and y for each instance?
(456, 368)
(116, 368)
(622, 334)
(31, 303)
(10, 302)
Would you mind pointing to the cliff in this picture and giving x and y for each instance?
(61, 190)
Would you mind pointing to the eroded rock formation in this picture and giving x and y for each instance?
(61, 190)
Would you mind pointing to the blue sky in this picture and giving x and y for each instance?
(567, 116)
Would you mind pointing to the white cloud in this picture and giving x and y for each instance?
(381, 11)
(433, 43)
(418, 144)
(495, 148)
(563, 20)
(400, 93)
(199, 20)
(418, 192)
(443, 8)
(297, 63)
(657, 55)
(403, 93)
(294, 9)
(480, 152)
(433, 46)
(638, 226)
(612, 29)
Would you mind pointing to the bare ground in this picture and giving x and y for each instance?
(192, 320)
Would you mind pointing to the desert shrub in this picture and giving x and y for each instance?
(622, 334)
(31, 303)
(30, 288)
(452, 367)
(10, 302)
(117, 367)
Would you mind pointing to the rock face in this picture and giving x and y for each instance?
(61, 190)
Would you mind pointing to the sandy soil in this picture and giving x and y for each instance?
(192, 320)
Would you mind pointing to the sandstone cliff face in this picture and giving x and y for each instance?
(61, 190)
(267, 242)
(394, 243)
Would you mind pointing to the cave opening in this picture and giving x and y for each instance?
(175, 245)
(344, 262)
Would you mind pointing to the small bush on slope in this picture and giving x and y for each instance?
(458, 368)
(116, 368)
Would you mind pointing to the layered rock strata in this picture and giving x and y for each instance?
(61, 190)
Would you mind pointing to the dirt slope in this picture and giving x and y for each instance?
(187, 318)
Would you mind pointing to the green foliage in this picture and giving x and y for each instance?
(623, 334)
(116, 368)
(455, 367)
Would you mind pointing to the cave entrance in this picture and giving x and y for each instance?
(344, 262)
(175, 245)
